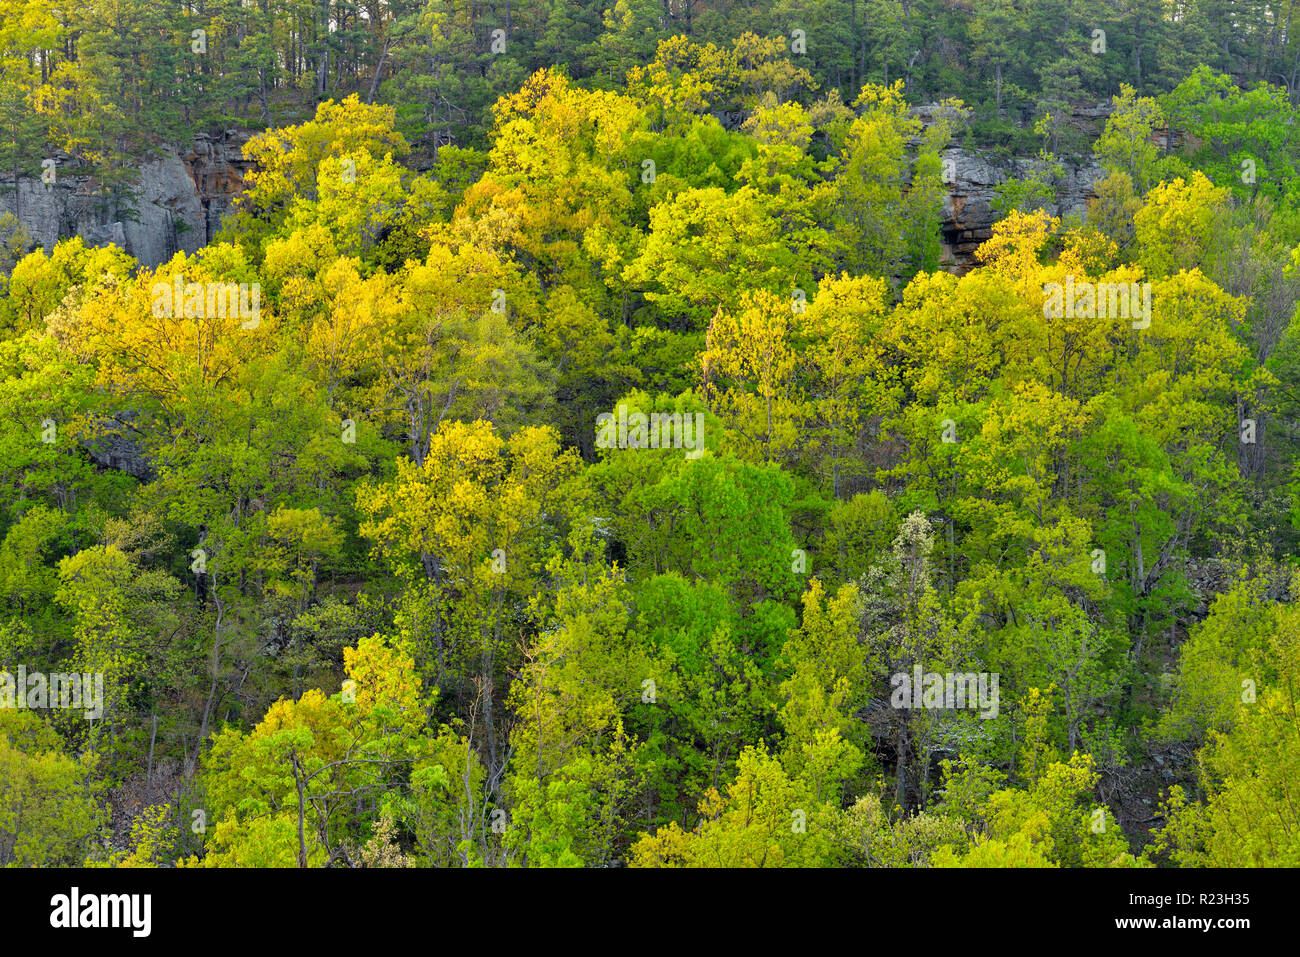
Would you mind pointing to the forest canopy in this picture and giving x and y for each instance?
(576, 448)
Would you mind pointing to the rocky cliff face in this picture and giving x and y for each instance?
(179, 202)
(217, 168)
(968, 209)
(184, 195)
(972, 175)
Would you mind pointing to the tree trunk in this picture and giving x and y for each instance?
(148, 774)
(212, 689)
(900, 758)
(485, 693)
(302, 807)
